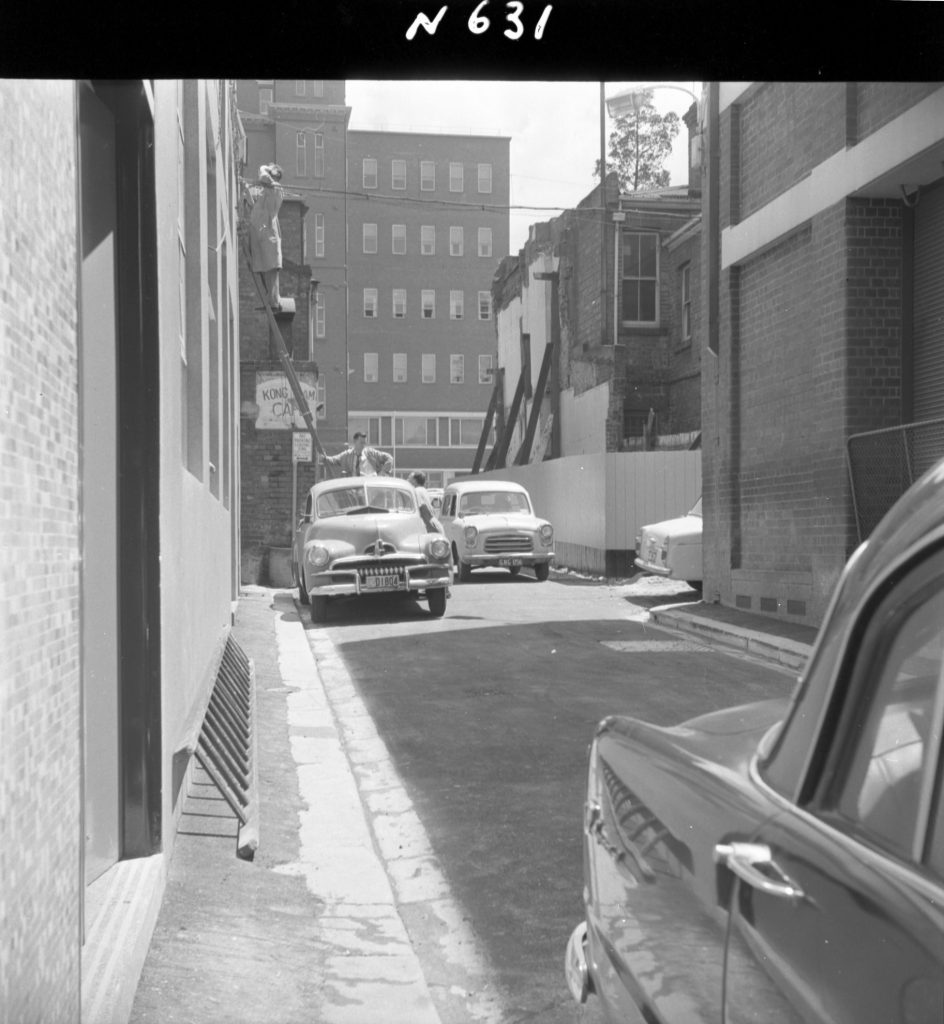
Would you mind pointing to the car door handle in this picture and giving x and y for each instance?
(745, 860)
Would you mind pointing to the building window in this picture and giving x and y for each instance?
(429, 367)
(319, 234)
(465, 433)
(427, 176)
(686, 290)
(317, 87)
(640, 277)
(370, 237)
(456, 305)
(399, 303)
(370, 303)
(455, 178)
(299, 86)
(399, 367)
(486, 369)
(371, 363)
(429, 304)
(319, 168)
(428, 240)
(398, 174)
(456, 369)
(485, 241)
(414, 431)
(301, 155)
(379, 429)
(319, 315)
(485, 177)
(369, 172)
(398, 240)
(455, 241)
(485, 305)
(265, 99)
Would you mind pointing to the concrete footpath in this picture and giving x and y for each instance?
(315, 929)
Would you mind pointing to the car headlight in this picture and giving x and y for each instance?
(470, 533)
(318, 557)
(547, 533)
(439, 549)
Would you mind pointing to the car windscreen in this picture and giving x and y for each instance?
(481, 503)
(364, 498)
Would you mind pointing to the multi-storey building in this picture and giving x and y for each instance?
(427, 225)
(822, 300)
(119, 512)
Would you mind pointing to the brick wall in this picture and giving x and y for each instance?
(784, 130)
(877, 103)
(39, 548)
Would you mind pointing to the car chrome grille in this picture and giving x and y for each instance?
(505, 543)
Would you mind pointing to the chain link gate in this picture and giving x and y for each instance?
(884, 463)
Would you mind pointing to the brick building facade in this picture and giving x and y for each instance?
(119, 515)
(627, 367)
(813, 198)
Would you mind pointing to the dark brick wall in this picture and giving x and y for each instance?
(877, 103)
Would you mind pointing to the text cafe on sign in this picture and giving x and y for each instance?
(276, 403)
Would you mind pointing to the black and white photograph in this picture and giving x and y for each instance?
(472, 524)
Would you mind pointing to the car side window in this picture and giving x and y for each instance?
(308, 505)
(884, 783)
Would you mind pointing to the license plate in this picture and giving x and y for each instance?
(382, 583)
(509, 561)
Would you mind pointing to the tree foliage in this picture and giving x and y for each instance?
(639, 145)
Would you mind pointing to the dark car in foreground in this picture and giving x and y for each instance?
(363, 536)
(783, 862)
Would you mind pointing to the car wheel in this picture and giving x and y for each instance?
(319, 608)
(437, 602)
(542, 570)
(514, 570)
(465, 571)
(300, 583)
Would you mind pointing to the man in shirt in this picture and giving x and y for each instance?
(360, 460)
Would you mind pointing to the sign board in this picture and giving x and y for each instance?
(301, 446)
(276, 403)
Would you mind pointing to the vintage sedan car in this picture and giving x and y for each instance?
(491, 523)
(783, 862)
(364, 535)
(672, 548)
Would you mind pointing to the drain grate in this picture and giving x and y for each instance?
(227, 744)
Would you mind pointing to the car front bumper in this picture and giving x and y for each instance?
(657, 570)
(339, 582)
(477, 560)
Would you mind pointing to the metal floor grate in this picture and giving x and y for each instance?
(227, 745)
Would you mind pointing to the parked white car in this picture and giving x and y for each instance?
(491, 523)
(672, 548)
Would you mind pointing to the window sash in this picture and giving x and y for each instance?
(370, 237)
(456, 241)
(370, 303)
(319, 158)
(369, 172)
(456, 305)
(485, 305)
(398, 239)
(429, 367)
(639, 278)
(486, 368)
(485, 178)
(319, 234)
(266, 97)
(319, 316)
(301, 155)
(399, 367)
(485, 241)
(428, 240)
(399, 303)
(456, 369)
(427, 176)
(398, 174)
(429, 304)
(455, 177)
(371, 365)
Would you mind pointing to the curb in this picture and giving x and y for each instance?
(791, 654)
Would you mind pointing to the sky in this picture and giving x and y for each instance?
(554, 129)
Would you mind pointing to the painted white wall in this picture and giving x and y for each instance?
(583, 419)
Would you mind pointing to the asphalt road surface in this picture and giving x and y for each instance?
(488, 713)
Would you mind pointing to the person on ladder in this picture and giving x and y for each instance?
(265, 235)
